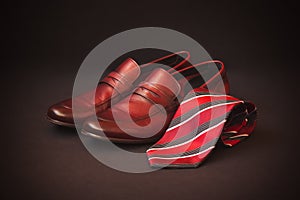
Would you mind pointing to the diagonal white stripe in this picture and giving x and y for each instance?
(241, 135)
(181, 123)
(198, 97)
(231, 132)
(190, 140)
(201, 152)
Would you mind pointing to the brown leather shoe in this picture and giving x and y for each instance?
(160, 88)
(110, 90)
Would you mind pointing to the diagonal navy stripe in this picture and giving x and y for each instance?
(194, 133)
(194, 94)
(195, 151)
(199, 94)
(193, 111)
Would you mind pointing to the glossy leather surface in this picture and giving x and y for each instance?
(160, 88)
(110, 89)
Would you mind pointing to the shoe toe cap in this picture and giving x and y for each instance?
(60, 113)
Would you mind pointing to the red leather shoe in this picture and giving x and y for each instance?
(110, 90)
(139, 118)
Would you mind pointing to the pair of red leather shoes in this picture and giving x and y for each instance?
(130, 110)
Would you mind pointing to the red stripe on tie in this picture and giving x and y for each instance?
(180, 147)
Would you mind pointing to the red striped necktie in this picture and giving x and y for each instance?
(201, 119)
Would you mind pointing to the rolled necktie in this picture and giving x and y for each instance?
(199, 122)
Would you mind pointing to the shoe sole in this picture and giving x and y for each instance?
(60, 123)
(118, 140)
(115, 140)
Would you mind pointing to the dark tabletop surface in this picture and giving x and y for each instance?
(45, 43)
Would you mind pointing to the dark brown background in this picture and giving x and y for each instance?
(44, 45)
